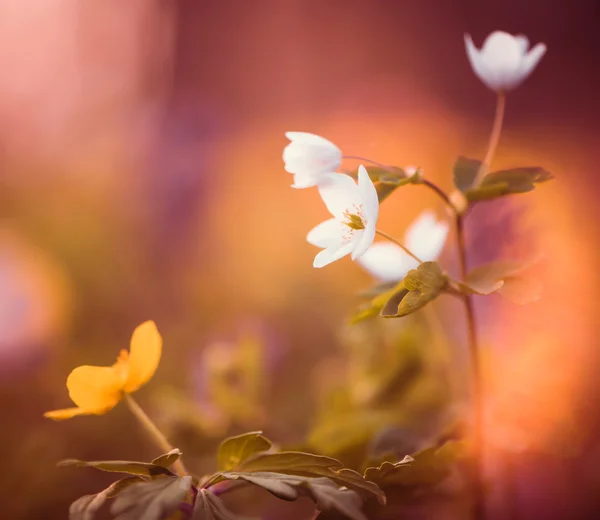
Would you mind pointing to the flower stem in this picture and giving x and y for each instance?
(477, 386)
(494, 138)
(157, 436)
(439, 192)
(392, 239)
(364, 159)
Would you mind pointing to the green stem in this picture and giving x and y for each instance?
(157, 436)
(439, 192)
(494, 138)
(477, 384)
(392, 239)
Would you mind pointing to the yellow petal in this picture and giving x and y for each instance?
(95, 389)
(144, 355)
(66, 413)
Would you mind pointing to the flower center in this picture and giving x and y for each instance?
(354, 219)
(121, 367)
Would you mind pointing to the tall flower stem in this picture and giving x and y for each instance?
(157, 436)
(477, 383)
(406, 250)
(494, 138)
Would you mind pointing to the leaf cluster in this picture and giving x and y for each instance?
(151, 491)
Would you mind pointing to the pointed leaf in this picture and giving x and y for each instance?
(379, 301)
(321, 490)
(211, 507)
(86, 507)
(465, 172)
(427, 467)
(168, 459)
(507, 182)
(505, 277)
(421, 286)
(236, 450)
(387, 470)
(153, 500)
(299, 463)
(120, 466)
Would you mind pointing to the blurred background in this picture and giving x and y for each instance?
(141, 178)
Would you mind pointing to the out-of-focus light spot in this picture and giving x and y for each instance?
(34, 300)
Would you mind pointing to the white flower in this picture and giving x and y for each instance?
(503, 62)
(309, 157)
(354, 208)
(425, 238)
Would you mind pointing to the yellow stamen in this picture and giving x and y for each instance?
(354, 221)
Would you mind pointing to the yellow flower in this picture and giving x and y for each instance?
(96, 390)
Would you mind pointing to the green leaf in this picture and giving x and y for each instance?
(427, 468)
(152, 500)
(146, 469)
(507, 182)
(374, 307)
(168, 459)
(299, 463)
(378, 173)
(505, 277)
(421, 285)
(321, 490)
(235, 450)
(386, 472)
(388, 179)
(211, 507)
(87, 506)
(465, 172)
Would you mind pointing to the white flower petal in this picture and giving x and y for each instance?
(304, 180)
(531, 59)
(308, 138)
(326, 233)
(368, 195)
(310, 155)
(364, 240)
(474, 56)
(523, 42)
(339, 193)
(331, 254)
(503, 63)
(385, 261)
(426, 237)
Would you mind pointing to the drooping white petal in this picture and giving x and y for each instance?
(339, 193)
(331, 254)
(326, 233)
(385, 261)
(368, 195)
(304, 180)
(531, 59)
(310, 156)
(308, 138)
(426, 237)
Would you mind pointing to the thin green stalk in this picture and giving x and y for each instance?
(494, 138)
(392, 239)
(477, 383)
(157, 436)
